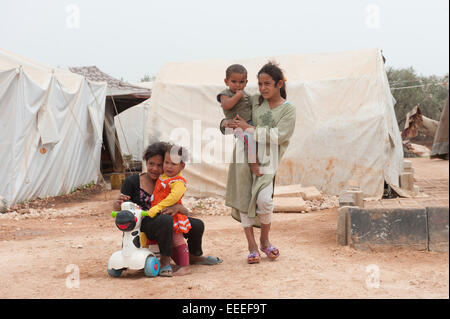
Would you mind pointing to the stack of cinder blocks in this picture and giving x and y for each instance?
(291, 198)
(351, 195)
(406, 179)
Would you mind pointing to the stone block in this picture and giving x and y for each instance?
(289, 204)
(346, 199)
(407, 164)
(341, 233)
(386, 228)
(288, 191)
(437, 220)
(407, 181)
(310, 193)
(351, 197)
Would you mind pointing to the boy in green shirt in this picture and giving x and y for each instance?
(235, 101)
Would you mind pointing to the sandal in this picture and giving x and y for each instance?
(271, 252)
(210, 260)
(166, 271)
(253, 258)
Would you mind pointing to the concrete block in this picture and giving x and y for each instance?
(407, 164)
(310, 193)
(289, 204)
(351, 197)
(437, 220)
(407, 181)
(346, 199)
(386, 228)
(341, 233)
(288, 191)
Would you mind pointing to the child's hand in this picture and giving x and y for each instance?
(230, 124)
(169, 211)
(172, 210)
(118, 202)
(240, 93)
(241, 123)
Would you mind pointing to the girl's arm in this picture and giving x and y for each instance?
(285, 128)
(126, 191)
(118, 202)
(177, 189)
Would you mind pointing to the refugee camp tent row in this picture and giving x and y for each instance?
(346, 127)
(51, 123)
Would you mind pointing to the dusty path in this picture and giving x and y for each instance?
(38, 257)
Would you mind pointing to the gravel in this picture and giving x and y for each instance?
(210, 206)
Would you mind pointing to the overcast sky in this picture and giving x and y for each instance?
(136, 37)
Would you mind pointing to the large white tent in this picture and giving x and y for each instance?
(346, 127)
(51, 123)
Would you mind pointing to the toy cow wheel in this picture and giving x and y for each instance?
(151, 268)
(114, 272)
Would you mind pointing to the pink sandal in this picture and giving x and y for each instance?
(253, 258)
(271, 252)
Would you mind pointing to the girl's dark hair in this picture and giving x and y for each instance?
(273, 70)
(157, 148)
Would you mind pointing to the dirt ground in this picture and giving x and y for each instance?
(41, 253)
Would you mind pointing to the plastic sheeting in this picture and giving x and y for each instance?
(130, 128)
(345, 130)
(51, 123)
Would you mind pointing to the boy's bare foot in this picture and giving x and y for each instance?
(254, 167)
(181, 271)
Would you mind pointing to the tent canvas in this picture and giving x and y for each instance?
(440, 142)
(119, 97)
(130, 128)
(345, 130)
(51, 122)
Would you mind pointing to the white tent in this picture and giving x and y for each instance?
(130, 128)
(51, 123)
(346, 127)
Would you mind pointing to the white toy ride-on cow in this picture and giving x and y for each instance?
(132, 256)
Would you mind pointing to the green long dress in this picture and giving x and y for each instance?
(242, 185)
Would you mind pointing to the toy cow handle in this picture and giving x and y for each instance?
(143, 213)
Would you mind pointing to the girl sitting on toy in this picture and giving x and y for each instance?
(139, 189)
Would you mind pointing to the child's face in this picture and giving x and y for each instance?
(172, 164)
(267, 86)
(236, 81)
